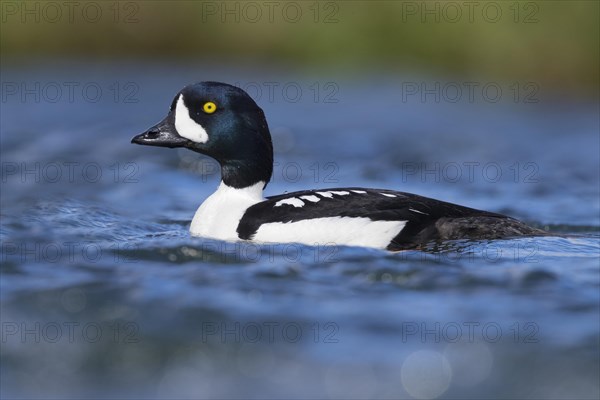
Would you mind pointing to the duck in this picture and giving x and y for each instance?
(223, 122)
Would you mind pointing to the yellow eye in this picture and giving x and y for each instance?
(209, 107)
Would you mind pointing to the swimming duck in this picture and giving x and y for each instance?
(225, 123)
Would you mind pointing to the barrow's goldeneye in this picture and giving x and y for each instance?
(224, 122)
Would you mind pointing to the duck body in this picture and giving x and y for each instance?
(222, 121)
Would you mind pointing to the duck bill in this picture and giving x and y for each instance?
(162, 134)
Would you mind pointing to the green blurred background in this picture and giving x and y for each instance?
(554, 43)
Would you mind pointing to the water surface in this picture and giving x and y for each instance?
(105, 294)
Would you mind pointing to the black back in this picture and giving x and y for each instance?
(421, 213)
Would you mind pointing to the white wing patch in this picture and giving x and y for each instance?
(359, 191)
(388, 195)
(311, 198)
(325, 194)
(291, 202)
(186, 126)
(332, 231)
(417, 211)
(330, 193)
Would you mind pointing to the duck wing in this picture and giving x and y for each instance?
(373, 217)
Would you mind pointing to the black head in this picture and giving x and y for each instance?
(223, 122)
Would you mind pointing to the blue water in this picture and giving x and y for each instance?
(104, 293)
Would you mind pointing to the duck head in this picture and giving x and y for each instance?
(222, 122)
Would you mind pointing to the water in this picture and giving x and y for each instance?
(105, 294)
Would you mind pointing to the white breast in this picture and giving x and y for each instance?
(219, 216)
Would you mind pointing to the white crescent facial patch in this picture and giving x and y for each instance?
(186, 126)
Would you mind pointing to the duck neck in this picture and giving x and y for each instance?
(241, 174)
(250, 160)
